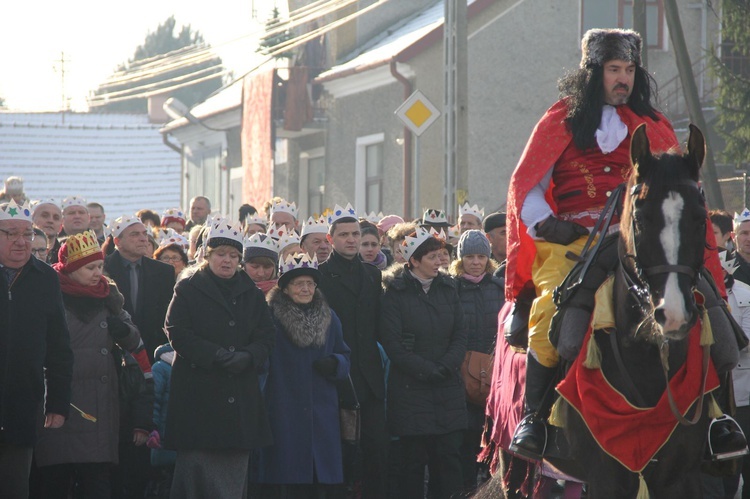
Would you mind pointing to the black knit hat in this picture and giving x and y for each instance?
(493, 221)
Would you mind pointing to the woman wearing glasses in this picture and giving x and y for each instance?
(39, 246)
(309, 357)
(174, 255)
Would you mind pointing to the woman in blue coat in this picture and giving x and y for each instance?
(310, 356)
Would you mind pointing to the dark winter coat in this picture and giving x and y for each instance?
(419, 332)
(162, 370)
(481, 304)
(95, 385)
(210, 408)
(302, 403)
(155, 284)
(358, 307)
(34, 350)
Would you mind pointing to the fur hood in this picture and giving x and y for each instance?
(303, 326)
(395, 277)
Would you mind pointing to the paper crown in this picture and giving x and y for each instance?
(37, 204)
(170, 236)
(15, 211)
(471, 210)
(285, 207)
(73, 201)
(728, 262)
(260, 240)
(171, 214)
(440, 235)
(225, 229)
(298, 261)
(453, 232)
(313, 226)
(276, 231)
(744, 216)
(338, 213)
(434, 217)
(289, 238)
(81, 245)
(255, 220)
(374, 218)
(410, 244)
(122, 223)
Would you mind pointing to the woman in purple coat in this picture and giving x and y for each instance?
(300, 394)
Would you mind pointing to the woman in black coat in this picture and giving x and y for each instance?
(482, 296)
(423, 334)
(221, 330)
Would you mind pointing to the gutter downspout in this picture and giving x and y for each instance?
(178, 150)
(407, 144)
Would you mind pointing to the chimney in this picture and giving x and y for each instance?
(156, 113)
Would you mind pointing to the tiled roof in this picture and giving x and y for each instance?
(117, 160)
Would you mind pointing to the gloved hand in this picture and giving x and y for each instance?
(554, 230)
(117, 328)
(439, 373)
(154, 440)
(326, 366)
(233, 362)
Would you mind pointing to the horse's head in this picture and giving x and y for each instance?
(664, 230)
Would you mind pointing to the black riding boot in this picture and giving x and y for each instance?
(530, 438)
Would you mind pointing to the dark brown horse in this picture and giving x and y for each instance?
(661, 252)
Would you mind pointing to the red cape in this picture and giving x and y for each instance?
(545, 146)
(633, 435)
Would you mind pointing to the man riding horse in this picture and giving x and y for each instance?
(577, 155)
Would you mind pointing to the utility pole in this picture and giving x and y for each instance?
(61, 69)
(715, 199)
(455, 131)
(640, 25)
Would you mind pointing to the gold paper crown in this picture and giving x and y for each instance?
(81, 245)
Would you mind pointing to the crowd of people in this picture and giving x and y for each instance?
(194, 356)
(190, 355)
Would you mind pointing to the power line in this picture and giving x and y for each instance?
(276, 50)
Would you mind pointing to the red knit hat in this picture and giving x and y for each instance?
(77, 251)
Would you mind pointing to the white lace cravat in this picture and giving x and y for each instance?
(612, 131)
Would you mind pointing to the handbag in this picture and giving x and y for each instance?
(349, 419)
(476, 371)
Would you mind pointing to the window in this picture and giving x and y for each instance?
(619, 14)
(368, 193)
(316, 181)
(204, 174)
(374, 177)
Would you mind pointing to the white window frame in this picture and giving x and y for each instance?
(304, 179)
(360, 172)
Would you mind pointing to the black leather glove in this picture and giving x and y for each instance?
(439, 373)
(554, 230)
(233, 362)
(117, 328)
(326, 366)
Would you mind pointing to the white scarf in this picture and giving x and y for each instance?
(612, 131)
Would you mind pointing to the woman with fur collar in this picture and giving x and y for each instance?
(87, 445)
(309, 358)
(422, 331)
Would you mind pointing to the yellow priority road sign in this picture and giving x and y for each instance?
(417, 112)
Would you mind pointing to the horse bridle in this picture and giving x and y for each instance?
(641, 293)
(640, 290)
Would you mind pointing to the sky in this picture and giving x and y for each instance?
(96, 37)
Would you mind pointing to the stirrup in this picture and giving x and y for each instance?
(716, 455)
(532, 419)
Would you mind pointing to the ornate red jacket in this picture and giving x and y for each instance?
(546, 145)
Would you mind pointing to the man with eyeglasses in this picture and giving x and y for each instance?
(47, 215)
(36, 362)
